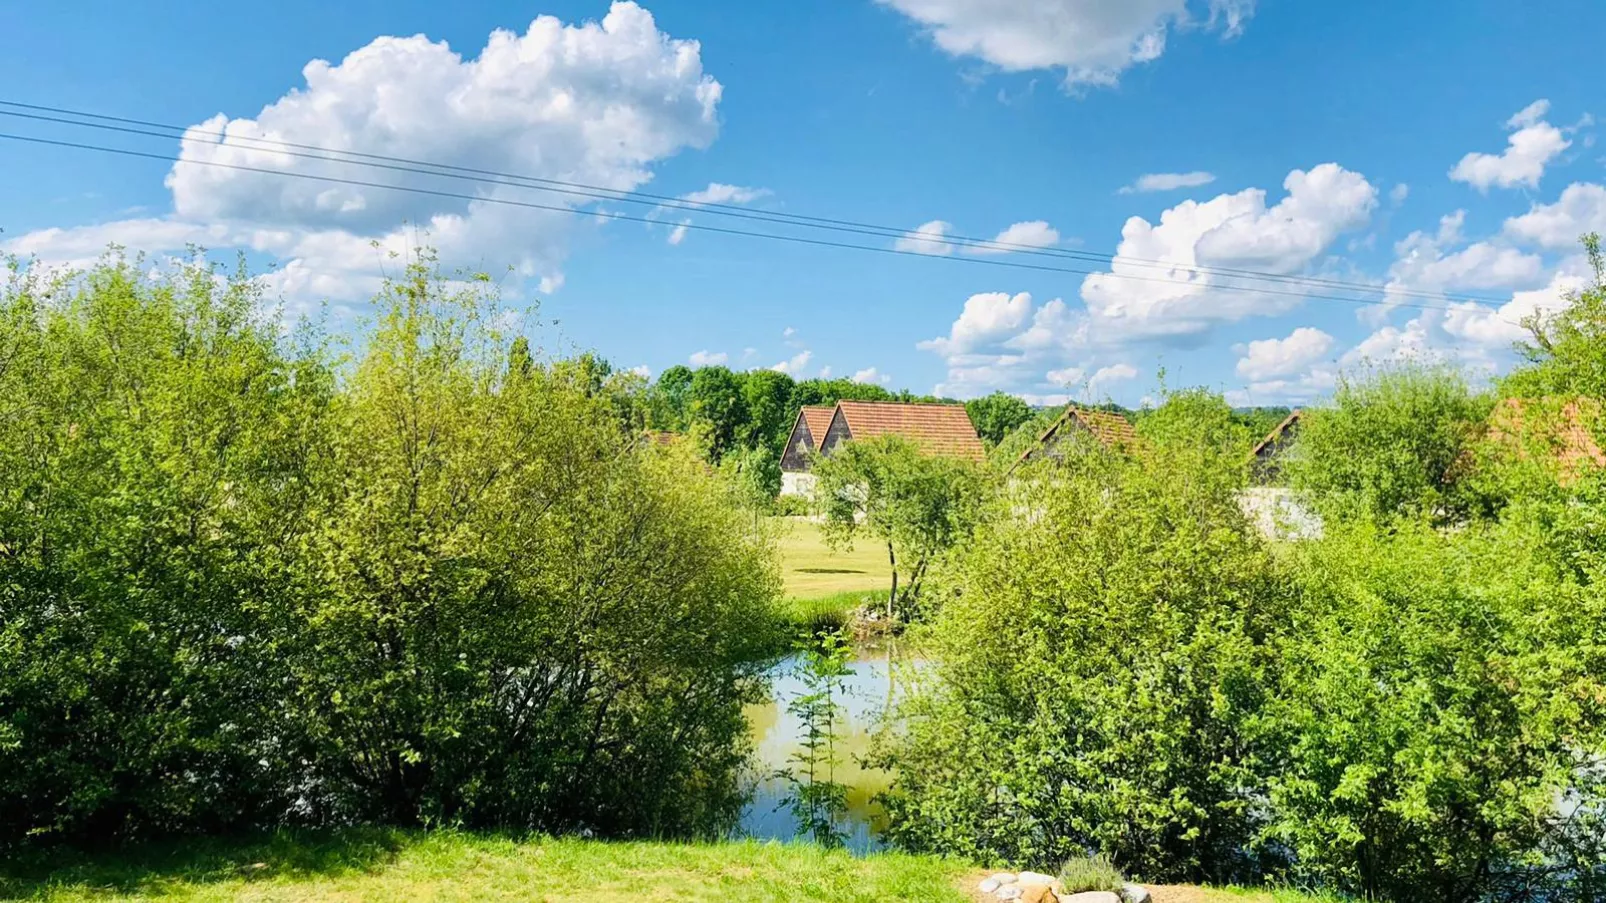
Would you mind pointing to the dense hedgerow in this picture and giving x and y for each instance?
(246, 582)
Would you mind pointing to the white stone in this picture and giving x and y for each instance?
(1135, 893)
(1009, 892)
(989, 885)
(1035, 878)
(1002, 877)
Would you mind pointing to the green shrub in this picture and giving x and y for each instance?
(1091, 873)
(791, 506)
(446, 584)
(1100, 652)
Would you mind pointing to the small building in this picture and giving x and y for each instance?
(807, 431)
(1559, 431)
(1107, 428)
(1265, 460)
(1276, 512)
(936, 429)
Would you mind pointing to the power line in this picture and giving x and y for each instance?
(720, 230)
(403, 164)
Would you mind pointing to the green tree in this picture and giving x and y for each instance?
(1388, 443)
(886, 489)
(1567, 354)
(716, 402)
(1101, 652)
(767, 397)
(997, 415)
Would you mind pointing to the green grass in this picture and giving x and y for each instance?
(395, 865)
(812, 570)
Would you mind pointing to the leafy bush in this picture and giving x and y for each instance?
(1388, 444)
(241, 585)
(1442, 693)
(1099, 653)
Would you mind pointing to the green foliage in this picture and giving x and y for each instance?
(715, 399)
(1091, 873)
(997, 415)
(1388, 443)
(818, 801)
(767, 396)
(886, 489)
(1443, 691)
(1100, 652)
(1568, 350)
(446, 584)
(754, 475)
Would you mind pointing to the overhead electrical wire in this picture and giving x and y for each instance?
(181, 133)
(662, 201)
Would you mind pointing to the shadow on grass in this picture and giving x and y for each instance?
(828, 571)
(33, 874)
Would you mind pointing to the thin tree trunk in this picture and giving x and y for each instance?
(892, 597)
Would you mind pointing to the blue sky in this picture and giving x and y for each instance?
(1439, 163)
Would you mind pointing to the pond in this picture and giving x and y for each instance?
(874, 680)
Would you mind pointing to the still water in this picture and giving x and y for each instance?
(876, 678)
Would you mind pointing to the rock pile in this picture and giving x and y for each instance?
(1036, 887)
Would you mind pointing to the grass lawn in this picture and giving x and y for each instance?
(385, 865)
(812, 570)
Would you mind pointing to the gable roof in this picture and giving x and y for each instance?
(939, 429)
(1517, 422)
(818, 418)
(1109, 429)
(1277, 433)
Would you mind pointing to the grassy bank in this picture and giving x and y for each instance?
(823, 585)
(394, 865)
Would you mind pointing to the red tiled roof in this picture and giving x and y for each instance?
(1111, 430)
(939, 429)
(818, 418)
(1512, 423)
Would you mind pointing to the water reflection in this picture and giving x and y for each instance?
(874, 681)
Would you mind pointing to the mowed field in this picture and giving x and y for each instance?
(812, 570)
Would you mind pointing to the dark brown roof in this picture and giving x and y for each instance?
(1276, 432)
(818, 418)
(939, 429)
(1111, 430)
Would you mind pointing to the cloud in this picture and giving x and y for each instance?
(1168, 181)
(720, 193)
(1136, 298)
(1482, 324)
(678, 234)
(929, 238)
(986, 318)
(1030, 234)
(871, 376)
(1091, 41)
(1398, 194)
(642, 370)
(1425, 262)
(1581, 209)
(794, 365)
(1266, 359)
(1533, 145)
(599, 102)
(1100, 381)
(707, 358)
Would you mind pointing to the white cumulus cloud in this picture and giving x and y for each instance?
(1581, 209)
(794, 365)
(707, 358)
(987, 318)
(598, 102)
(1168, 181)
(1091, 41)
(1265, 359)
(1030, 234)
(720, 193)
(928, 238)
(1532, 145)
(872, 376)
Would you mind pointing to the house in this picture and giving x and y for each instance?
(1109, 429)
(936, 429)
(1555, 428)
(1276, 512)
(807, 431)
(1265, 460)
